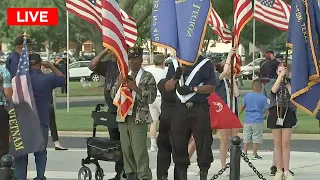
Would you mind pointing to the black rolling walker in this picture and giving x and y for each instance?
(99, 148)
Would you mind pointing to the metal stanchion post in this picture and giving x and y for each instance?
(235, 157)
(6, 171)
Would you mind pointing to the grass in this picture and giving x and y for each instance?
(79, 119)
(76, 89)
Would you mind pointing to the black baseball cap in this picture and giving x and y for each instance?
(135, 52)
(20, 40)
(35, 57)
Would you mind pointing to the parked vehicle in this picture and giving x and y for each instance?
(80, 69)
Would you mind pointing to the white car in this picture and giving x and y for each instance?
(248, 69)
(80, 69)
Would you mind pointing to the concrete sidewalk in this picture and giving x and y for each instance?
(65, 165)
(106, 134)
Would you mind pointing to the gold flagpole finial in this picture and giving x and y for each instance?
(25, 35)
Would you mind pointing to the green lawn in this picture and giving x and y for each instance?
(76, 89)
(78, 119)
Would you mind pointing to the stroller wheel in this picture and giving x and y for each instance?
(123, 175)
(84, 173)
(99, 174)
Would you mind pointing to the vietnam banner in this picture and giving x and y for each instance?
(221, 116)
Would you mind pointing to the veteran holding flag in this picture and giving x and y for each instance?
(133, 129)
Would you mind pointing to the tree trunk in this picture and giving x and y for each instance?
(77, 50)
(47, 45)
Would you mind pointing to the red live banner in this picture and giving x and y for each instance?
(32, 16)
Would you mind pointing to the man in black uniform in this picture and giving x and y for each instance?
(192, 115)
(268, 67)
(168, 101)
(108, 69)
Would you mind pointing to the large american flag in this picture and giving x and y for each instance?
(90, 10)
(219, 27)
(21, 83)
(273, 12)
(113, 36)
(242, 15)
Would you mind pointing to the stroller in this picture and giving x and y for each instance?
(99, 148)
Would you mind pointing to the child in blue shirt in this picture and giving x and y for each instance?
(255, 104)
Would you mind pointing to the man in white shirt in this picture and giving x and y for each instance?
(159, 72)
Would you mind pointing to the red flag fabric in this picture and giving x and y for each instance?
(221, 116)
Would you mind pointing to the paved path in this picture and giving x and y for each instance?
(65, 165)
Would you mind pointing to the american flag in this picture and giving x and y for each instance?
(90, 10)
(219, 27)
(273, 12)
(242, 15)
(113, 35)
(21, 83)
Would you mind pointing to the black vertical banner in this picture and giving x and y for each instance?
(24, 129)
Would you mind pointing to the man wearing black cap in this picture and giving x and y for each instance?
(42, 85)
(191, 116)
(13, 58)
(109, 69)
(133, 129)
(268, 67)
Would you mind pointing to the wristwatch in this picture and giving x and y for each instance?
(195, 89)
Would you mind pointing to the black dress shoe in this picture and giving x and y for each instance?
(60, 149)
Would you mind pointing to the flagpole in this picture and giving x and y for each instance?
(68, 90)
(232, 61)
(253, 39)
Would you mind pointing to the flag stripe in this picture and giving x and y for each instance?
(219, 27)
(277, 15)
(93, 14)
(243, 13)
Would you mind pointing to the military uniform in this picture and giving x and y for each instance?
(163, 140)
(133, 130)
(192, 117)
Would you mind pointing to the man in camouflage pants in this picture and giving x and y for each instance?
(133, 129)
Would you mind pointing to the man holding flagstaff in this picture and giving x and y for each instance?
(191, 114)
(133, 129)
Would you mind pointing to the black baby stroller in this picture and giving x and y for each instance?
(99, 148)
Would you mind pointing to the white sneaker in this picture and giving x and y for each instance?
(278, 176)
(153, 148)
(288, 176)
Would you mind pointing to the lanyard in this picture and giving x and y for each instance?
(277, 104)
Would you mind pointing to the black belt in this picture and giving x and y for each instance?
(192, 104)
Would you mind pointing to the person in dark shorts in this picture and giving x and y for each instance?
(109, 69)
(5, 92)
(281, 124)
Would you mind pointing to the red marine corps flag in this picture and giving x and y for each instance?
(221, 116)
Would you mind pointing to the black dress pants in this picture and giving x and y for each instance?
(113, 132)
(186, 121)
(4, 132)
(164, 142)
(53, 125)
(115, 135)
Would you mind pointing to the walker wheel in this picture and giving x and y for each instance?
(84, 173)
(99, 174)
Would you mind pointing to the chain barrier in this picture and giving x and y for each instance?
(246, 159)
(221, 171)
